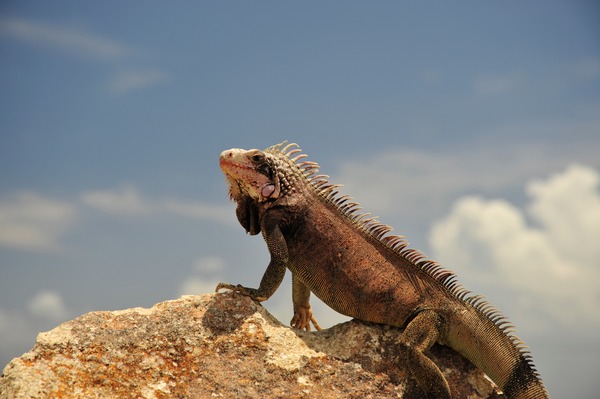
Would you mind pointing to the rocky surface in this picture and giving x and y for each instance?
(220, 345)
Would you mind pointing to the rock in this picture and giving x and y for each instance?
(220, 345)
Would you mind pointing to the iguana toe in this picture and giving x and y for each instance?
(302, 318)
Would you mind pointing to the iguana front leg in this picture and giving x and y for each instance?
(275, 271)
(302, 312)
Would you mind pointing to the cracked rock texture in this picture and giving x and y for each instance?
(220, 345)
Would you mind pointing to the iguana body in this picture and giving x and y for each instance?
(354, 266)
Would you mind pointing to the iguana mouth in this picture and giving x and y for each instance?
(227, 162)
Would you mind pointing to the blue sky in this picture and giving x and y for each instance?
(472, 128)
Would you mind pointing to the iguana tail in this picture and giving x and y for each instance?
(483, 335)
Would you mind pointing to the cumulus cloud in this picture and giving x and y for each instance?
(414, 183)
(417, 185)
(567, 206)
(48, 305)
(543, 258)
(29, 221)
(67, 38)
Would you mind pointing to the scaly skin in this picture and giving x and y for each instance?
(355, 267)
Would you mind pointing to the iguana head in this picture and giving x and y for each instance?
(250, 173)
(259, 178)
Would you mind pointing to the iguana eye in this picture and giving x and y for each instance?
(257, 157)
(265, 169)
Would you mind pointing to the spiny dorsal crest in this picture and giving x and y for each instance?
(307, 171)
(303, 170)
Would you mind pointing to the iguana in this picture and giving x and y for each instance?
(351, 263)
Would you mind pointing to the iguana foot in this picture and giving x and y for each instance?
(239, 289)
(303, 317)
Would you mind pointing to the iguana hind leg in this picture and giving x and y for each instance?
(419, 335)
(303, 315)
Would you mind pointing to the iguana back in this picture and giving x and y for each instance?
(353, 265)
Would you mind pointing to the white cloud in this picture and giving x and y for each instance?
(67, 38)
(126, 81)
(550, 272)
(31, 222)
(209, 264)
(205, 276)
(417, 185)
(84, 44)
(413, 183)
(48, 305)
(127, 201)
(197, 285)
(19, 327)
(198, 210)
(124, 201)
(567, 206)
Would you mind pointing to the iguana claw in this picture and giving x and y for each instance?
(239, 289)
(227, 286)
(302, 318)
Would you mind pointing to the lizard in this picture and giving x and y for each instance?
(351, 262)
